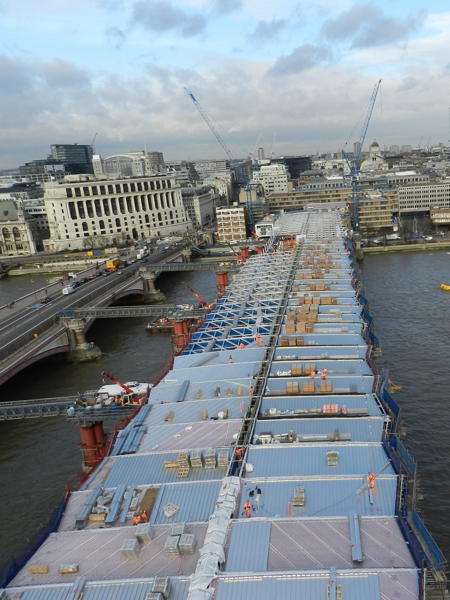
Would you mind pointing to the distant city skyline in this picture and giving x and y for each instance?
(292, 77)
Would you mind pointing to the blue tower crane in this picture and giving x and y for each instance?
(355, 163)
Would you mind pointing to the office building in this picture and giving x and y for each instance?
(200, 204)
(231, 225)
(85, 213)
(273, 178)
(76, 158)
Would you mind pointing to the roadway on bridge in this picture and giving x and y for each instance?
(27, 320)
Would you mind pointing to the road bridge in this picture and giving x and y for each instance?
(35, 331)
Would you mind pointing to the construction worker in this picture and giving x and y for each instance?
(312, 373)
(240, 454)
(248, 509)
(323, 373)
(230, 359)
(241, 345)
(251, 389)
(371, 478)
(141, 518)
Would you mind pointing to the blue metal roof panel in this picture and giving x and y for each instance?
(195, 500)
(149, 469)
(249, 546)
(341, 384)
(328, 339)
(213, 372)
(191, 411)
(282, 461)
(310, 586)
(323, 497)
(361, 429)
(311, 352)
(211, 358)
(335, 367)
(290, 403)
(168, 392)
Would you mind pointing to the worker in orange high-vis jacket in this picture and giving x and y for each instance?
(371, 478)
(248, 509)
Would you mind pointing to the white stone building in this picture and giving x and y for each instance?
(420, 198)
(86, 213)
(273, 178)
(16, 231)
(231, 224)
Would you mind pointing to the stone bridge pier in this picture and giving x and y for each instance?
(151, 294)
(80, 349)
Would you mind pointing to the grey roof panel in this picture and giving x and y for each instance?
(312, 587)
(325, 352)
(323, 497)
(191, 411)
(195, 500)
(361, 429)
(249, 546)
(306, 402)
(208, 389)
(282, 461)
(148, 469)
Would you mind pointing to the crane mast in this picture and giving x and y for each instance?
(355, 164)
(209, 123)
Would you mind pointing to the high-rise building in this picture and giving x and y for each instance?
(260, 153)
(76, 158)
(273, 178)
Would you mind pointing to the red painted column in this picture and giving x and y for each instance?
(259, 249)
(89, 445)
(222, 283)
(100, 438)
(245, 253)
(180, 332)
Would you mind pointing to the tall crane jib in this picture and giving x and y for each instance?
(209, 123)
(355, 163)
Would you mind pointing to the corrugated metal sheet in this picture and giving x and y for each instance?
(361, 429)
(323, 497)
(307, 353)
(196, 502)
(354, 459)
(344, 384)
(306, 402)
(214, 372)
(304, 544)
(130, 590)
(203, 434)
(399, 585)
(208, 389)
(310, 586)
(335, 367)
(324, 339)
(191, 411)
(249, 546)
(148, 469)
(184, 361)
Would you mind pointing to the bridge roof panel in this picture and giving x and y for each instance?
(320, 352)
(360, 429)
(323, 497)
(225, 388)
(193, 410)
(247, 355)
(291, 403)
(282, 461)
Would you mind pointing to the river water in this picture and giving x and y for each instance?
(412, 322)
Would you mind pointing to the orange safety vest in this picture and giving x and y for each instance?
(248, 509)
(239, 453)
(371, 477)
(137, 519)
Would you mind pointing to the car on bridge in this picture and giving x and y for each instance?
(45, 300)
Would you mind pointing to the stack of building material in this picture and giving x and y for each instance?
(143, 533)
(292, 387)
(161, 586)
(187, 543)
(326, 387)
(196, 459)
(130, 548)
(183, 464)
(222, 459)
(298, 497)
(210, 459)
(171, 545)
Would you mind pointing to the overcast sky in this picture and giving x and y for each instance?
(291, 76)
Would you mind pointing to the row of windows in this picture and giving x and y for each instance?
(121, 205)
(118, 188)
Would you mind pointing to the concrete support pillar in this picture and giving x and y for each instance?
(222, 283)
(89, 445)
(186, 255)
(151, 294)
(359, 252)
(80, 349)
(180, 335)
(259, 249)
(245, 253)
